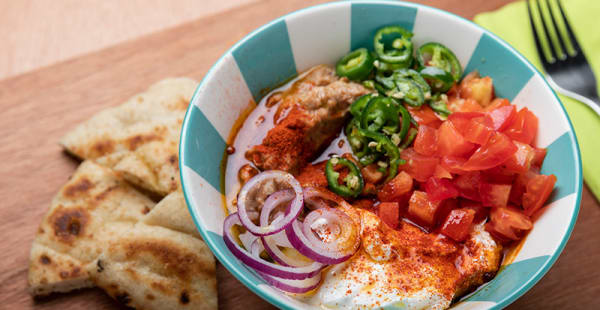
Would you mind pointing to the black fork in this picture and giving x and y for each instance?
(569, 73)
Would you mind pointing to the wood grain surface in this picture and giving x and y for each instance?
(39, 107)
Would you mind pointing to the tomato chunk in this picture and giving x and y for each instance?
(508, 223)
(440, 189)
(422, 210)
(451, 142)
(481, 212)
(494, 195)
(426, 140)
(468, 185)
(497, 103)
(538, 157)
(493, 153)
(538, 190)
(420, 167)
(524, 127)
(396, 188)
(502, 117)
(458, 224)
(453, 164)
(479, 89)
(521, 160)
(519, 186)
(424, 115)
(389, 212)
(442, 173)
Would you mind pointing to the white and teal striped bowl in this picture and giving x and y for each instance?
(322, 34)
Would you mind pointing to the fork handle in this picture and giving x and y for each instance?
(592, 101)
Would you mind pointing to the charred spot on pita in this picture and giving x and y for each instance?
(184, 298)
(103, 147)
(81, 185)
(70, 223)
(45, 260)
(100, 266)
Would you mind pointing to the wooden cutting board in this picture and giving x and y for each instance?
(37, 108)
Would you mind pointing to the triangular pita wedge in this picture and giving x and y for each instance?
(151, 267)
(139, 138)
(172, 212)
(75, 226)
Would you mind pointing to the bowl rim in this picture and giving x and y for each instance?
(243, 276)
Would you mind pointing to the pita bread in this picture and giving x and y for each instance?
(75, 226)
(140, 138)
(171, 212)
(151, 267)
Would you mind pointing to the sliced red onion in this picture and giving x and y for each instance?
(255, 262)
(247, 239)
(315, 198)
(293, 286)
(344, 235)
(320, 251)
(291, 213)
(273, 201)
(256, 247)
(270, 245)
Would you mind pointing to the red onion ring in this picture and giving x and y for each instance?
(291, 213)
(270, 245)
(315, 198)
(293, 286)
(318, 250)
(260, 265)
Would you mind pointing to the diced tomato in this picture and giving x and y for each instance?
(422, 210)
(497, 103)
(508, 223)
(479, 89)
(458, 224)
(426, 140)
(538, 157)
(519, 186)
(502, 117)
(481, 212)
(397, 187)
(451, 142)
(424, 115)
(499, 174)
(420, 167)
(453, 164)
(389, 212)
(524, 127)
(477, 131)
(521, 160)
(456, 104)
(538, 190)
(468, 185)
(441, 172)
(494, 195)
(460, 120)
(371, 174)
(440, 189)
(493, 153)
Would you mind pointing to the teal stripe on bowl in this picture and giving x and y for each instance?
(509, 279)
(205, 148)
(560, 161)
(266, 59)
(509, 74)
(368, 18)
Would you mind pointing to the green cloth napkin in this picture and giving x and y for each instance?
(511, 23)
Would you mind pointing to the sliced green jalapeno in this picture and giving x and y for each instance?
(438, 79)
(405, 119)
(385, 79)
(439, 106)
(370, 84)
(380, 89)
(437, 55)
(380, 114)
(382, 144)
(408, 91)
(359, 105)
(393, 45)
(412, 133)
(353, 182)
(415, 77)
(357, 65)
(388, 67)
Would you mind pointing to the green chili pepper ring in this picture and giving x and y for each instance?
(384, 145)
(437, 55)
(354, 183)
(401, 46)
(356, 65)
